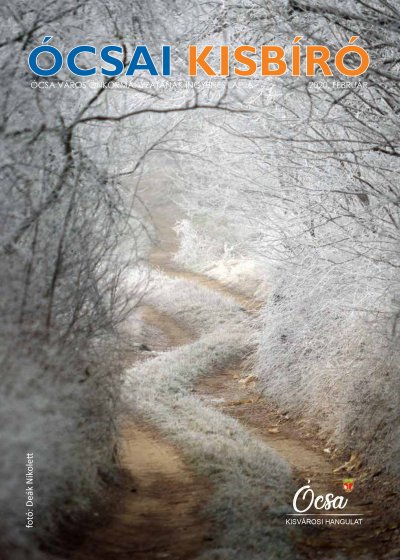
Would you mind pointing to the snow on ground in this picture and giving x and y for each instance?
(250, 481)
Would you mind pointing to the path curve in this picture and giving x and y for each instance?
(157, 515)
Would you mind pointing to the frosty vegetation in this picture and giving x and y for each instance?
(70, 230)
(293, 182)
(305, 189)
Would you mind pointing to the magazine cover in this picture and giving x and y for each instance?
(200, 289)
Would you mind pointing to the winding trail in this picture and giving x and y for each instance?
(226, 391)
(157, 507)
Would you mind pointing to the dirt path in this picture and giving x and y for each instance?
(238, 398)
(156, 513)
(233, 391)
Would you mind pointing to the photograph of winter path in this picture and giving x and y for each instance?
(200, 289)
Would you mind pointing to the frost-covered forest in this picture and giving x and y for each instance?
(280, 189)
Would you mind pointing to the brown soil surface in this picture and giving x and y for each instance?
(156, 512)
